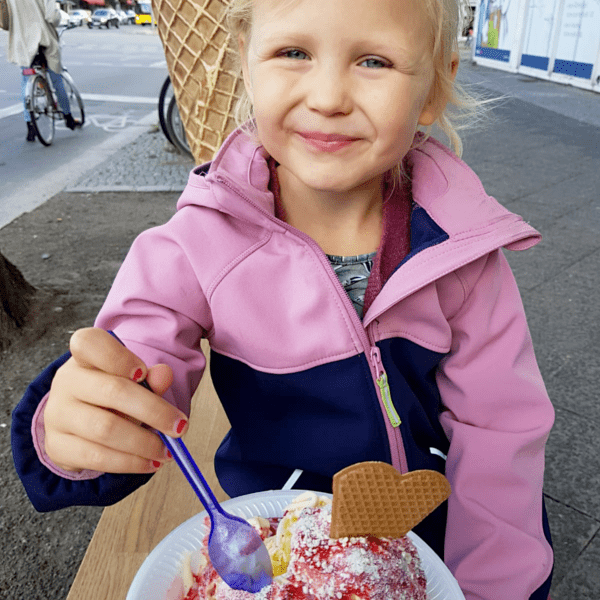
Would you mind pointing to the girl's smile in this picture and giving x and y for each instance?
(327, 142)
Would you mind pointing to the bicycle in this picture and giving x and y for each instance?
(170, 121)
(41, 100)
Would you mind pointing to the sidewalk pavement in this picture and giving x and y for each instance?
(148, 164)
(539, 157)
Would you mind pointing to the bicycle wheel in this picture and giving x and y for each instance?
(176, 128)
(42, 110)
(164, 98)
(75, 101)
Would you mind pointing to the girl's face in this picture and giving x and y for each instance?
(339, 86)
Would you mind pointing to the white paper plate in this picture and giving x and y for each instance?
(159, 576)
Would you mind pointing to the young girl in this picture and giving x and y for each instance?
(348, 274)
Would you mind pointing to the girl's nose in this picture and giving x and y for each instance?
(328, 91)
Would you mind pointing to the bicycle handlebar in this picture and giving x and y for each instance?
(62, 28)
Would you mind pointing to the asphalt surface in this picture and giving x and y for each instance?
(119, 73)
(537, 156)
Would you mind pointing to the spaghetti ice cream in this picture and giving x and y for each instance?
(309, 565)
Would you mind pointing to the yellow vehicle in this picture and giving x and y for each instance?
(143, 13)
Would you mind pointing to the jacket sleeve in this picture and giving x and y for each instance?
(47, 490)
(157, 309)
(497, 418)
(52, 13)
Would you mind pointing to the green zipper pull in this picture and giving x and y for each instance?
(386, 396)
(384, 387)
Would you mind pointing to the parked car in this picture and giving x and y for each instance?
(131, 16)
(79, 17)
(64, 18)
(104, 17)
(123, 18)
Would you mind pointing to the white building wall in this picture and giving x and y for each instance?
(558, 40)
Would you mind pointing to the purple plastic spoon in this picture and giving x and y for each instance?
(235, 548)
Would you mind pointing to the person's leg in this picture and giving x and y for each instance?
(24, 80)
(61, 95)
(63, 100)
(30, 130)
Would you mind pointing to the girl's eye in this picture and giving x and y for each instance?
(293, 53)
(375, 63)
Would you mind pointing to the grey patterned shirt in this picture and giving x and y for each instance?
(353, 273)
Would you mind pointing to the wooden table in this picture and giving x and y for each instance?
(128, 531)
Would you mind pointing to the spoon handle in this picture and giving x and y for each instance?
(189, 468)
(191, 471)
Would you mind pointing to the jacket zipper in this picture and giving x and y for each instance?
(393, 421)
(384, 387)
(371, 350)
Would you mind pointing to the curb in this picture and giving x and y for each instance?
(123, 188)
(30, 197)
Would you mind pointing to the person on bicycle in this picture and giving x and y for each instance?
(33, 29)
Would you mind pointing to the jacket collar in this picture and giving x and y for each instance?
(449, 193)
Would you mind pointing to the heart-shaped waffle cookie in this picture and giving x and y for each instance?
(372, 498)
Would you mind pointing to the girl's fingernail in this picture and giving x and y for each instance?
(137, 375)
(156, 464)
(181, 426)
(168, 454)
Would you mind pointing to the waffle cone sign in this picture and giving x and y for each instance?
(201, 58)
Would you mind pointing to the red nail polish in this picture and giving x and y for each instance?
(156, 464)
(181, 425)
(138, 375)
(169, 455)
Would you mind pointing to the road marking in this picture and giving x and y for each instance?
(15, 109)
(32, 195)
(112, 123)
(121, 99)
(123, 65)
(9, 111)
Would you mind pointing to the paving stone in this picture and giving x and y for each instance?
(571, 532)
(501, 153)
(574, 384)
(566, 240)
(582, 582)
(544, 206)
(149, 163)
(564, 312)
(573, 462)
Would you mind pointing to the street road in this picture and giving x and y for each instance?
(118, 73)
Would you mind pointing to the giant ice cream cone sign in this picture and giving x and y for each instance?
(201, 58)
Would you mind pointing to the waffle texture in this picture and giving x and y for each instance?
(201, 57)
(372, 498)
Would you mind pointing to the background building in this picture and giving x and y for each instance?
(557, 40)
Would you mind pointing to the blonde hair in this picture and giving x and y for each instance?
(445, 16)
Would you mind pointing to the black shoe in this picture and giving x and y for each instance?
(30, 132)
(70, 122)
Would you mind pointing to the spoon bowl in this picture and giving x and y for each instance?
(235, 548)
(238, 553)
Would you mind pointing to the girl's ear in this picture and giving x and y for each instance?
(435, 104)
(243, 50)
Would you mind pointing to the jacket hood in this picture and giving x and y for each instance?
(442, 184)
(239, 165)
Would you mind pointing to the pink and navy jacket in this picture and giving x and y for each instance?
(440, 374)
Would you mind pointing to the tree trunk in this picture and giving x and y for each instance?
(16, 295)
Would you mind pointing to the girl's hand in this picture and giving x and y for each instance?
(97, 416)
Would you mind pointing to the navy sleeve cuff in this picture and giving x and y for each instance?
(46, 490)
